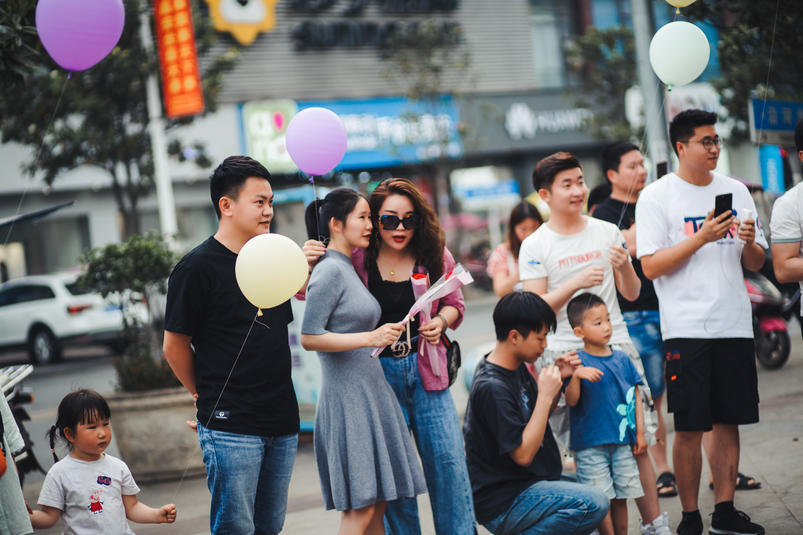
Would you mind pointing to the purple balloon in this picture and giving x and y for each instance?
(316, 140)
(79, 33)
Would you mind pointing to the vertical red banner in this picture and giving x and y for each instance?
(178, 57)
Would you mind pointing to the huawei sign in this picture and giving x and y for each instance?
(244, 19)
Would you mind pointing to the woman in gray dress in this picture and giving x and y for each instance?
(363, 450)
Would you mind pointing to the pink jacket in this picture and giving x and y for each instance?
(428, 379)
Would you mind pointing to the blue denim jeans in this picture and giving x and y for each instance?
(248, 477)
(551, 507)
(433, 419)
(644, 328)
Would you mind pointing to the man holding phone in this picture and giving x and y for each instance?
(695, 259)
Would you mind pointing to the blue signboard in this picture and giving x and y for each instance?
(391, 131)
(774, 121)
(772, 177)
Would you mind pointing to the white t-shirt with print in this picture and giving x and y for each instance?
(786, 223)
(90, 494)
(559, 257)
(705, 297)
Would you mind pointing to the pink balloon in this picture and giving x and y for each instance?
(79, 33)
(316, 140)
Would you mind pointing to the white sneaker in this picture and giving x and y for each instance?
(659, 526)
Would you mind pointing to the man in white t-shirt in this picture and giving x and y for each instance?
(695, 261)
(786, 229)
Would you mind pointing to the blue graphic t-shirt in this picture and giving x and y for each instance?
(606, 412)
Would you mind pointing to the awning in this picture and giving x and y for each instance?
(32, 215)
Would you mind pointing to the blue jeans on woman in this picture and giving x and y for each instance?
(248, 477)
(432, 417)
(644, 328)
(550, 507)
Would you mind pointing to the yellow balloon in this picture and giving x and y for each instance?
(680, 3)
(270, 269)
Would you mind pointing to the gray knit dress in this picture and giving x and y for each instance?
(362, 446)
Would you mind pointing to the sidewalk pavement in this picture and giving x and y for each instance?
(772, 451)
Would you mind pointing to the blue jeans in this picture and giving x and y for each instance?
(551, 507)
(248, 477)
(433, 419)
(644, 328)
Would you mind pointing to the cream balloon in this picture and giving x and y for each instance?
(270, 269)
(680, 3)
(679, 53)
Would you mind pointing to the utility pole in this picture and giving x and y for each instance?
(156, 129)
(654, 117)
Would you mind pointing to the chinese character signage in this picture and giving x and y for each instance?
(773, 122)
(181, 79)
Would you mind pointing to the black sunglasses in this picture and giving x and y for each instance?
(391, 222)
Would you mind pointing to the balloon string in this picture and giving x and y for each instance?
(220, 395)
(769, 70)
(317, 208)
(36, 160)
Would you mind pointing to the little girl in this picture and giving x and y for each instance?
(93, 491)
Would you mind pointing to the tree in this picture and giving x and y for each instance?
(100, 118)
(748, 31)
(21, 53)
(606, 63)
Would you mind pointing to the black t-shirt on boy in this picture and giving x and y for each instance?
(499, 408)
(205, 302)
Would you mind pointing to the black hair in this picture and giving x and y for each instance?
(229, 177)
(682, 126)
(612, 156)
(521, 212)
(579, 305)
(598, 193)
(546, 169)
(79, 407)
(799, 135)
(524, 312)
(338, 204)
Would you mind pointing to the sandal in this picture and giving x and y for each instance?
(743, 482)
(667, 486)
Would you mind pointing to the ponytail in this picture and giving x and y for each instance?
(51, 434)
(312, 219)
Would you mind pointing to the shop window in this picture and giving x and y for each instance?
(550, 30)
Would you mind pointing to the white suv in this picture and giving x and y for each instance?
(46, 312)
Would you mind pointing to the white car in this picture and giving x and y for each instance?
(46, 312)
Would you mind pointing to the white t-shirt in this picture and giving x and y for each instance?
(559, 257)
(90, 494)
(786, 223)
(705, 297)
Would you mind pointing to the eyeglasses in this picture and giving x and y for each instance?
(708, 143)
(391, 222)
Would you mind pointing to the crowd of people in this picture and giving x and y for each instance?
(599, 320)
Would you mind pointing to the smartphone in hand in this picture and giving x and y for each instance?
(723, 203)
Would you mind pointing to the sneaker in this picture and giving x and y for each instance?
(691, 526)
(734, 522)
(659, 526)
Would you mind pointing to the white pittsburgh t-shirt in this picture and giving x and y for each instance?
(90, 494)
(559, 257)
(786, 223)
(705, 297)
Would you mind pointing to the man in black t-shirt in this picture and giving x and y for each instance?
(513, 460)
(623, 166)
(238, 368)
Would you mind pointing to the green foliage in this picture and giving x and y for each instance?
(100, 116)
(19, 43)
(129, 271)
(748, 31)
(606, 63)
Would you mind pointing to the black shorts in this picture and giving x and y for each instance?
(711, 381)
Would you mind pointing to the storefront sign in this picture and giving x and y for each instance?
(244, 19)
(523, 122)
(181, 79)
(264, 124)
(772, 175)
(773, 122)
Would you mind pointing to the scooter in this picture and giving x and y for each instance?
(769, 326)
(11, 378)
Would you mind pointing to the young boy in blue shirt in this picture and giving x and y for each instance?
(607, 423)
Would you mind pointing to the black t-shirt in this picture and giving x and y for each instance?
(499, 408)
(205, 302)
(394, 297)
(624, 215)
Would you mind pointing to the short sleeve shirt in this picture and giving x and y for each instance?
(499, 408)
(705, 297)
(786, 223)
(559, 257)
(250, 355)
(90, 494)
(605, 413)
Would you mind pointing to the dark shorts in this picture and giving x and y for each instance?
(711, 381)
